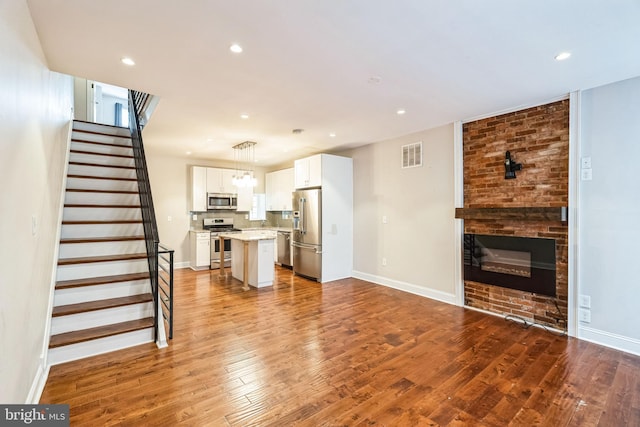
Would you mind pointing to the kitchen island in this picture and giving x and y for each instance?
(252, 259)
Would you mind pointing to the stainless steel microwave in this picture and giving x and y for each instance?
(226, 201)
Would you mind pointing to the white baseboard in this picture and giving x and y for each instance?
(407, 287)
(37, 386)
(607, 339)
(183, 264)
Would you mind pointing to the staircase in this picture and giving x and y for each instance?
(102, 299)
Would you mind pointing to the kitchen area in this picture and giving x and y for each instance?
(303, 221)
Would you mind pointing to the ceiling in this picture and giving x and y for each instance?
(334, 66)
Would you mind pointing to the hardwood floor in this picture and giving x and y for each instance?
(345, 353)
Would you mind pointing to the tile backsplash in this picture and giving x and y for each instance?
(274, 219)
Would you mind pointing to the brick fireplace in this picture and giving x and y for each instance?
(538, 138)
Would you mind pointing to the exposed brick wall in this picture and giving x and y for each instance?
(538, 138)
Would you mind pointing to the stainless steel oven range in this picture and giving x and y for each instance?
(217, 226)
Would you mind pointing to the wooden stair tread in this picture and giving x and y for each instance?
(109, 144)
(84, 335)
(100, 205)
(93, 153)
(91, 190)
(104, 258)
(94, 132)
(101, 222)
(101, 239)
(101, 165)
(91, 281)
(84, 307)
(109, 178)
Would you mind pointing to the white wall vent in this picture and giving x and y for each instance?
(412, 155)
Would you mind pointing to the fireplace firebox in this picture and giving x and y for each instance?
(523, 263)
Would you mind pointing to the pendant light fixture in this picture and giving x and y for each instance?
(245, 156)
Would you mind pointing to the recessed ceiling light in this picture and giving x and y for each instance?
(562, 56)
(400, 111)
(244, 116)
(297, 131)
(332, 135)
(235, 48)
(188, 153)
(128, 61)
(375, 80)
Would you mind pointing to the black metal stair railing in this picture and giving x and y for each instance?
(161, 273)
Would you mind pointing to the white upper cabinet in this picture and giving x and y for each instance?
(220, 180)
(198, 202)
(245, 198)
(308, 172)
(279, 186)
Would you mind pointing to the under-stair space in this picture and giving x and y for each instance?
(102, 299)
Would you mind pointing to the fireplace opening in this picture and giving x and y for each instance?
(523, 263)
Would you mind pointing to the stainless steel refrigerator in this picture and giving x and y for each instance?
(307, 233)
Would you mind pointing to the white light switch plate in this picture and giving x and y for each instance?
(584, 315)
(585, 301)
(586, 163)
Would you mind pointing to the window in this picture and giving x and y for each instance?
(258, 208)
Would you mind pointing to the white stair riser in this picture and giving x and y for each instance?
(78, 250)
(104, 149)
(103, 345)
(100, 269)
(101, 171)
(75, 197)
(101, 214)
(100, 160)
(95, 127)
(93, 319)
(100, 230)
(103, 291)
(101, 184)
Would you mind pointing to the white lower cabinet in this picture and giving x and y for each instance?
(200, 253)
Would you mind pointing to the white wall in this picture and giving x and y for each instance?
(418, 238)
(609, 214)
(35, 109)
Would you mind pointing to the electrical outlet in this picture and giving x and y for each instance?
(169, 218)
(585, 301)
(584, 315)
(587, 174)
(384, 219)
(194, 217)
(384, 261)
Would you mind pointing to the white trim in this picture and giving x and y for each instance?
(573, 230)
(183, 264)
(161, 338)
(407, 287)
(37, 386)
(607, 339)
(517, 108)
(458, 200)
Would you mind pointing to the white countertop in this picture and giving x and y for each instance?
(250, 236)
